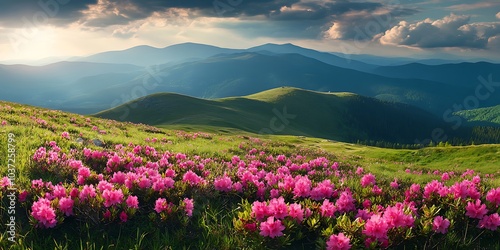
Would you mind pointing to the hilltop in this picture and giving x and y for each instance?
(286, 110)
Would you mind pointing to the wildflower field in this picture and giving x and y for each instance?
(74, 182)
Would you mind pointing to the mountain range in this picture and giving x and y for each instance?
(106, 80)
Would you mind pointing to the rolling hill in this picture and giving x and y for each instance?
(489, 115)
(338, 116)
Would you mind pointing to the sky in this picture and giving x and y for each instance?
(35, 29)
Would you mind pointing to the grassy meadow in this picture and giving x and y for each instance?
(219, 217)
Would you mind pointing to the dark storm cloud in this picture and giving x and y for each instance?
(14, 13)
(341, 19)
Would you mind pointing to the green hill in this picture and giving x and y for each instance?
(490, 115)
(338, 116)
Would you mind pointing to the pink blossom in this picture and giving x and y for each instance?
(87, 191)
(302, 187)
(476, 209)
(44, 213)
(345, 203)
(23, 195)
(59, 191)
(376, 190)
(65, 135)
(260, 210)
(296, 212)
(445, 177)
(328, 209)
(5, 182)
(112, 197)
(491, 222)
(223, 184)
(323, 190)
(104, 185)
(376, 227)
(4, 123)
(367, 180)
(132, 202)
(394, 184)
(123, 216)
(338, 242)
(440, 225)
(84, 172)
(162, 205)
(278, 208)
(271, 228)
(493, 196)
(188, 206)
(395, 217)
(359, 171)
(192, 178)
(66, 206)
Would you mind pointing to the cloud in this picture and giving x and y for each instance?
(498, 15)
(366, 24)
(472, 6)
(453, 31)
(21, 13)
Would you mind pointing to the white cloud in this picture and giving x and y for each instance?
(498, 15)
(453, 31)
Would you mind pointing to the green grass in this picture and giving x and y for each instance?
(214, 225)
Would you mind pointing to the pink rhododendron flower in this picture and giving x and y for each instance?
(278, 208)
(59, 191)
(328, 209)
(271, 228)
(493, 196)
(338, 242)
(123, 216)
(132, 202)
(476, 210)
(395, 217)
(188, 206)
(223, 184)
(192, 178)
(376, 227)
(323, 190)
(345, 203)
(112, 197)
(491, 222)
(260, 210)
(5, 182)
(66, 206)
(367, 180)
(296, 212)
(44, 213)
(440, 225)
(87, 191)
(302, 187)
(23, 195)
(445, 177)
(161, 205)
(65, 135)
(394, 184)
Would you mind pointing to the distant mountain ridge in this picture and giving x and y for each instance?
(91, 84)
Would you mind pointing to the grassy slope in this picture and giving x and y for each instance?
(339, 116)
(485, 115)
(30, 136)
